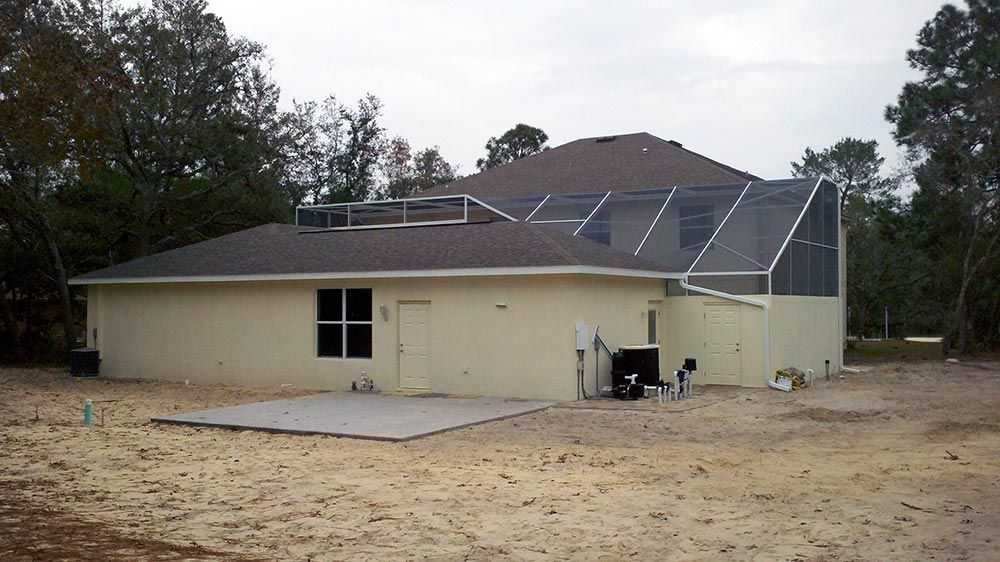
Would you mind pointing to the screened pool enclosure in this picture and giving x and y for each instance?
(778, 237)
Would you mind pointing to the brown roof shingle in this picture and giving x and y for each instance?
(281, 249)
(633, 161)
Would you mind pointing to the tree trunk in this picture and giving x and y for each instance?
(65, 302)
(10, 326)
(961, 322)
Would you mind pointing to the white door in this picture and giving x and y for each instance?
(415, 345)
(722, 342)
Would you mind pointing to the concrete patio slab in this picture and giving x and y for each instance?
(361, 415)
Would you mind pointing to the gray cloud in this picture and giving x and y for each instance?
(750, 83)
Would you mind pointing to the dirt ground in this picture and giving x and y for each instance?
(900, 462)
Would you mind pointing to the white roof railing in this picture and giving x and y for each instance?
(396, 213)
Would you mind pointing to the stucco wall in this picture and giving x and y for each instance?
(684, 336)
(263, 334)
(805, 331)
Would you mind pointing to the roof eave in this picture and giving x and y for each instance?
(461, 272)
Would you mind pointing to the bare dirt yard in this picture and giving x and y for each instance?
(900, 462)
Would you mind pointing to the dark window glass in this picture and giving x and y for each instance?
(330, 306)
(330, 339)
(359, 305)
(599, 228)
(697, 224)
(359, 340)
(651, 327)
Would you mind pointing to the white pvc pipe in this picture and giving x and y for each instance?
(753, 302)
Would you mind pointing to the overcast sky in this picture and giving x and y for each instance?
(749, 83)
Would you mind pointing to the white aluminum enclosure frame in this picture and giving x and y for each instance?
(581, 223)
(466, 199)
(655, 220)
(592, 213)
(722, 224)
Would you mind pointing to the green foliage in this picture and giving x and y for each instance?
(853, 164)
(408, 173)
(335, 152)
(518, 142)
(128, 131)
(893, 350)
(948, 121)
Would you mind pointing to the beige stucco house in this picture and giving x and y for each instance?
(481, 287)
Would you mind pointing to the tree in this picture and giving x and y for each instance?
(520, 141)
(853, 164)
(192, 123)
(336, 151)
(53, 101)
(877, 257)
(408, 173)
(948, 121)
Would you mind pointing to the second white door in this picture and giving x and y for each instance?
(722, 342)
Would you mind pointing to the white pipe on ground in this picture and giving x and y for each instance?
(753, 302)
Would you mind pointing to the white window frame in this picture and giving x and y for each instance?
(343, 322)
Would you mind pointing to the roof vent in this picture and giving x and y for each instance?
(675, 143)
(645, 150)
(605, 139)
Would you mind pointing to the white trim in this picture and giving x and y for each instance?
(553, 221)
(480, 272)
(724, 273)
(489, 207)
(805, 209)
(717, 230)
(657, 219)
(376, 202)
(753, 261)
(465, 206)
(538, 207)
(813, 244)
(585, 221)
(388, 225)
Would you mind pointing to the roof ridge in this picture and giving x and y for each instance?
(679, 146)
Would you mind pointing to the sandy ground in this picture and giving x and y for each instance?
(900, 462)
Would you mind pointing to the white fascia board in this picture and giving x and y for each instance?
(481, 272)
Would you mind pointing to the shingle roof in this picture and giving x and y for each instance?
(633, 161)
(281, 249)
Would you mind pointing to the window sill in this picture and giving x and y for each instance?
(343, 358)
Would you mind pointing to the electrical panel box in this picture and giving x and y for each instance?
(582, 337)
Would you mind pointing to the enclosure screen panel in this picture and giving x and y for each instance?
(703, 210)
(733, 284)
(810, 265)
(568, 207)
(624, 218)
(757, 229)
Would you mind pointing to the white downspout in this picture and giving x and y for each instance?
(753, 302)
